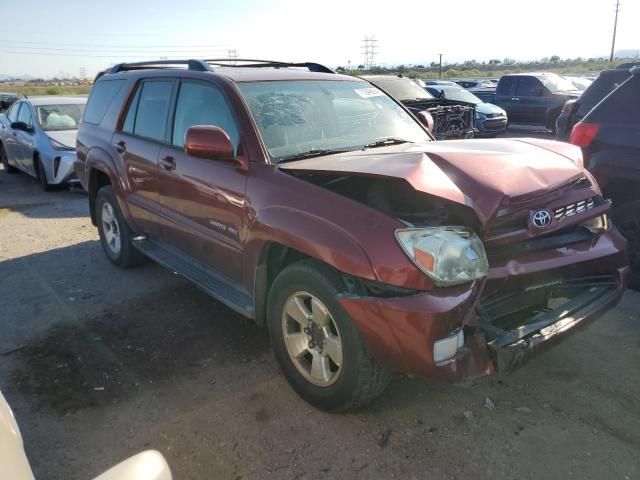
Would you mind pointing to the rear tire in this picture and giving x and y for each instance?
(115, 234)
(347, 376)
(5, 161)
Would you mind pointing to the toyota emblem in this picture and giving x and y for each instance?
(541, 218)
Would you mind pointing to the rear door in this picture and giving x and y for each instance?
(138, 143)
(503, 96)
(530, 101)
(202, 200)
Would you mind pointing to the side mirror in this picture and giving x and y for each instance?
(425, 119)
(148, 465)
(20, 126)
(208, 141)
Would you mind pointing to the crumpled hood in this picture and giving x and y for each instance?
(482, 174)
(65, 137)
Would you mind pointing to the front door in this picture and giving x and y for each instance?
(138, 144)
(11, 135)
(531, 102)
(202, 200)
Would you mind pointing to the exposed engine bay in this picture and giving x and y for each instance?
(451, 119)
(396, 198)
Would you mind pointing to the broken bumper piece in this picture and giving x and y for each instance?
(510, 349)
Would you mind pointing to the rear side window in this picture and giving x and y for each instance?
(621, 107)
(505, 84)
(202, 104)
(147, 114)
(606, 83)
(102, 94)
(527, 86)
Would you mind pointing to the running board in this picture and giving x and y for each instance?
(211, 282)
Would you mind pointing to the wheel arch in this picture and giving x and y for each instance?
(281, 236)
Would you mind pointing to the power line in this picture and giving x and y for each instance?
(149, 55)
(21, 42)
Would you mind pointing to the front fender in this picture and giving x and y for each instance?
(308, 234)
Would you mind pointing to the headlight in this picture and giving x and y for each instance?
(449, 255)
(480, 116)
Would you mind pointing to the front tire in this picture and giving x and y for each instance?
(115, 234)
(316, 345)
(42, 176)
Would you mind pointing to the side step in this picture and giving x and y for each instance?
(211, 282)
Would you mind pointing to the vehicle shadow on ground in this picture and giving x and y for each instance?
(94, 361)
(22, 194)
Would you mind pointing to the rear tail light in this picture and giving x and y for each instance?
(583, 134)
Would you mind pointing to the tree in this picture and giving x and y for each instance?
(495, 61)
(340, 70)
(360, 67)
(554, 59)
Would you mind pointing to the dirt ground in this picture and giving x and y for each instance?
(100, 363)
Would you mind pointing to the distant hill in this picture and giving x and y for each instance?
(627, 53)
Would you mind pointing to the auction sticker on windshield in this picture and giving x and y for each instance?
(368, 92)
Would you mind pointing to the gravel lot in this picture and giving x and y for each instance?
(100, 363)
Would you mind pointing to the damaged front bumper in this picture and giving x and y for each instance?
(505, 320)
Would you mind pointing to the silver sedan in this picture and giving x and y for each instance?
(38, 137)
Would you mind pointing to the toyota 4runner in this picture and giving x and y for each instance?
(320, 207)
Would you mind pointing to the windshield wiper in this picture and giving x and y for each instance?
(314, 153)
(386, 142)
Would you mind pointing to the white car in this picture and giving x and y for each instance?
(148, 465)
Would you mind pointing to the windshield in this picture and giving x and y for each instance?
(556, 83)
(64, 116)
(301, 117)
(455, 93)
(401, 88)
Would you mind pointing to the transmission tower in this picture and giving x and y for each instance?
(232, 54)
(369, 51)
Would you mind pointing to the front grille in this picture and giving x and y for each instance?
(494, 124)
(547, 242)
(560, 213)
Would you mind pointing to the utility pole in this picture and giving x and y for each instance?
(369, 50)
(615, 28)
(348, 65)
(440, 68)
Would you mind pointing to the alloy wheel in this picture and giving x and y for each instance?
(312, 339)
(111, 229)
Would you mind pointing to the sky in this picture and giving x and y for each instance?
(67, 37)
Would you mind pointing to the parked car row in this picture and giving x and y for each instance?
(321, 207)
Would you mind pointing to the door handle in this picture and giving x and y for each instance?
(120, 146)
(168, 163)
(515, 99)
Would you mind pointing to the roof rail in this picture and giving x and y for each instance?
(253, 63)
(196, 65)
(205, 65)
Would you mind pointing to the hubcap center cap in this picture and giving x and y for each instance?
(316, 336)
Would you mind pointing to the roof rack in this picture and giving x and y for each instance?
(252, 63)
(196, 65)
(206, 65)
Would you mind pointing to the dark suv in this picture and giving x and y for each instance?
(610, 138)
(574, 110)
(322, 208)
(534, 98)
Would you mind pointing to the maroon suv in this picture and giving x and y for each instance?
(320, 207)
